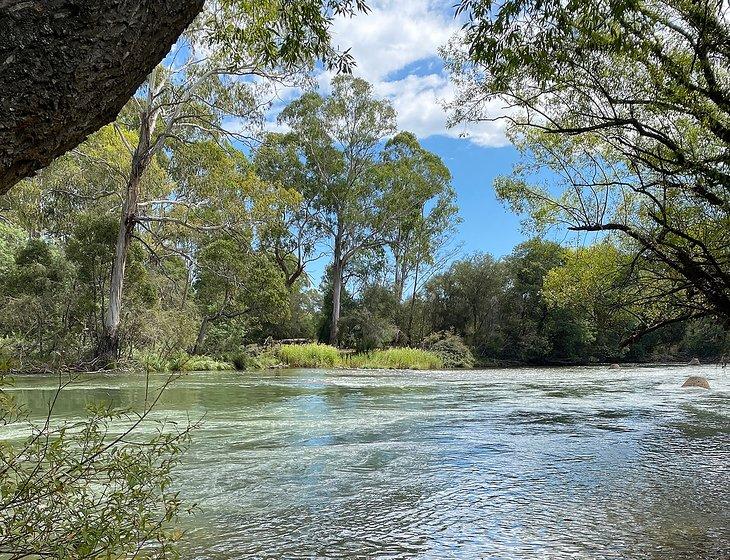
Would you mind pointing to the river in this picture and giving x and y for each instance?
(504, 464)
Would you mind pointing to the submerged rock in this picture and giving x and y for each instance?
(696, 381)
(694, 362)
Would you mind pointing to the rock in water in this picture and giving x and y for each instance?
(696, 381)
(615, 366)
(694, 362)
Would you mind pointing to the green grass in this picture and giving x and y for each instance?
(396, 358)
(309, 355)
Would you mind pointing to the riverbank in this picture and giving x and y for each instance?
(327, 357)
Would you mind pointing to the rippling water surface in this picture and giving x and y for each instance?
(505, 464)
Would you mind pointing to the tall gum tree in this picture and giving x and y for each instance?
(420, 195)
(338, 139)
(194, 96)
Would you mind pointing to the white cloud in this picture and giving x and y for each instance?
(419, 101)
(397, 36)
(395, 47)
(394, 34)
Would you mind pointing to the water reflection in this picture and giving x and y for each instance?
(553, 463)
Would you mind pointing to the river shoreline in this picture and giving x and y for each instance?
(341, 368)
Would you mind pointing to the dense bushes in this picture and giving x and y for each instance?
(8, 361)
(182, 361)
(450, 347)
(396, 358)
(253, 357)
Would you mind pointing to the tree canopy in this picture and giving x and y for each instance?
(69, 66)
(627, 103)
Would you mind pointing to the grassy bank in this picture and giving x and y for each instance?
(322, 355)
(395, 358)
(309, 355)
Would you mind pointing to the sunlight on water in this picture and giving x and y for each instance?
(530, 463)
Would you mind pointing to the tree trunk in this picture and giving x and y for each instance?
(69, 66)
(109, 346)
(399, 276)
(336, 291)
(201, 335)
(413, 305)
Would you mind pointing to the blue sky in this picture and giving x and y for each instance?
(487, 225)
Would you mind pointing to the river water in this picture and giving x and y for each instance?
(506, 464)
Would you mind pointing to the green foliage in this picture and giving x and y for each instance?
(36, 294)
(396, 358)
(236, 284)
(365, 330)
(619, 109)
(512, 309)
(450, 347)
(705, 338)
(418, 209)
(309, 355)
(166, 331)
(11, 238)
(369, 322)
(91, 489)
(8, 360)
(255, 357)
(286, 33)
(468, 299)
(180, 361)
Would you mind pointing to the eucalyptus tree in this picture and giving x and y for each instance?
(70, 66)
(194, 97)
(628, 103)
(294, 235)
(338, 139)
(420, 197)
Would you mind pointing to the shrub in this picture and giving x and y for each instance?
(365, 331)
(397, 358)
(185, 362)
(97, 487)
(254, 357)
(7, 355)
(166, 331)
(151, 361)
(309, 355)
(182, 361)
(450, 347)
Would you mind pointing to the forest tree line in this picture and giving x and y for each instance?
(184, 227)
(215, 246)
